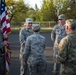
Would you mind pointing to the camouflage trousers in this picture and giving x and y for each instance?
(37, 69)
(23, 69)
(56, 66)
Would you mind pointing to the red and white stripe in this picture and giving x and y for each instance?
(5, 26)
(5, 22)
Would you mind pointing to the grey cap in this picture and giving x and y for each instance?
(36, 27)
(29, 20)
(62, 16)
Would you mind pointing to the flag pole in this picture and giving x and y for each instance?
(2, 50)
(5, 27)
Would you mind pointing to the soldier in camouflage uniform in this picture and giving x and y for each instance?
(67, 50)
(2, 52)
(57, 34)
(34, 52)
(24, 33)
(2, 55)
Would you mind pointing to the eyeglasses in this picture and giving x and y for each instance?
(29, 23)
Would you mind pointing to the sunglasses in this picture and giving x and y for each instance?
(60, 19)
(29, 23)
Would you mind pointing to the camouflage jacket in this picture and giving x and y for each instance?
(24, 33)
(67, 54)
(58, 33)
(34, 49)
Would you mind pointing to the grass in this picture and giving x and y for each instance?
(45, 30)
(42, 30)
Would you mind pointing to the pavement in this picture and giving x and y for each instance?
(15, 46)
(15, 65)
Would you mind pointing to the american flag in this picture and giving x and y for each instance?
(4, 18)
(5, 26)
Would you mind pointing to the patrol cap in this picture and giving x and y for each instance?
(62, 16)
(36, 27)
(29, 20)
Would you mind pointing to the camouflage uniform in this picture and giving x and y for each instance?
(67, 55)
(56, 35)
(24, 33)
(2, 55)
(34, 54)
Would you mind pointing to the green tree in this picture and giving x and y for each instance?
(48, 11)
(68, 13)
(17, 10)
(31, 13)
(34, 13)
(72, 13)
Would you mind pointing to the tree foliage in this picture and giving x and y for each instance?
(48, 11)
(72, 13)
(17, 10)
(69, 13)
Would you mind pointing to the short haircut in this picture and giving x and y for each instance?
(71, 23)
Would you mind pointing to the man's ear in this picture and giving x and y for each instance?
(67, 27)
